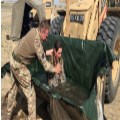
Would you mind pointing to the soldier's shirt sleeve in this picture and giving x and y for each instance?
(41, 56)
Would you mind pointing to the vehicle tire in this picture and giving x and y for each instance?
(110, 33)
(56, 25)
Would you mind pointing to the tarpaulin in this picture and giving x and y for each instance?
(83, 60)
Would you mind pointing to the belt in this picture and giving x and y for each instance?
(15, 57)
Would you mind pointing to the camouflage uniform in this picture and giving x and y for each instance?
(23, 76)
(53, 78)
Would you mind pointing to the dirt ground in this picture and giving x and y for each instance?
(112, 111)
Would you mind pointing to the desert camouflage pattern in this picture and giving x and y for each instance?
(41, 54)
(23, 81)
(53, 78)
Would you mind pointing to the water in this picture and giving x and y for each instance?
(72, 92)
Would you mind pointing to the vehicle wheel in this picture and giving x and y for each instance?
(110, 33)
(56, 25)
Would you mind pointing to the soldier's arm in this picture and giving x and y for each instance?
(41, 56)
(63, 77)
(49, 52)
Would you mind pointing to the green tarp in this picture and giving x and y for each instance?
(83, 61)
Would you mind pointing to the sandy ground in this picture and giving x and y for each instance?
(112, 111)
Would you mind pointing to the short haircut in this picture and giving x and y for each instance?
(44, 24)
(57, 45)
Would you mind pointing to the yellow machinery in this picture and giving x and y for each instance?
(90, 20)
(86, 20)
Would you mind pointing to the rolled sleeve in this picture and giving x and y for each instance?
(63, 77)
(41, 56)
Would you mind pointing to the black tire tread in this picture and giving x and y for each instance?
(106, 33)
(56, 25)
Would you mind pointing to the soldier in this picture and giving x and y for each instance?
(29, 48)
(55, 78)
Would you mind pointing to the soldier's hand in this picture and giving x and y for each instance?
(49, 52)
(57, 68)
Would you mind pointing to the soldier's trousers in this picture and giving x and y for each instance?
(23, 80)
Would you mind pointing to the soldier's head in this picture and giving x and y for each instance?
(44, 29)
(57, 50)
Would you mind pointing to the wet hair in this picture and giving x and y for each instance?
(57, 45)
(44, 24)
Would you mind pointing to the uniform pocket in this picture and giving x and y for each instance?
(22, 75)
(25, 76)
